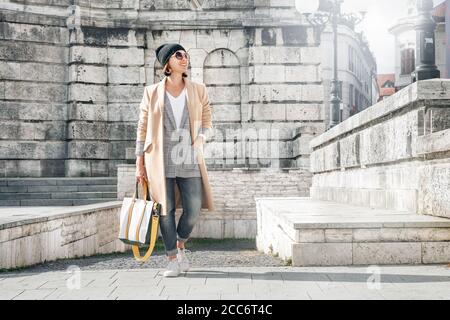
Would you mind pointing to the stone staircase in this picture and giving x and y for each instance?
(380, 190)
(57, 191)
(324, 233)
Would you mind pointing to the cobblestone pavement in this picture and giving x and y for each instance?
(231, 283)
(202, 253)
(221, 270)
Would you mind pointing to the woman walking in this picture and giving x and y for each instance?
(174, 123)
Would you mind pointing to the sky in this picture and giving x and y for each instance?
(380, 16)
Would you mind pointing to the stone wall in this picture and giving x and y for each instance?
(394, 155)
(61, 234)
(33, 99)
(234, 193)
(73, 73)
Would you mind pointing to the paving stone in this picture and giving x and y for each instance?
(38, 294)
(8, 294)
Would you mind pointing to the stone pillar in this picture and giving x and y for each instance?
(285, 89)
(88, 131)
(107, 78)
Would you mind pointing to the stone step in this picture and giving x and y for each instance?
(53, 202)
(9, 182)
(52, 189)
(320, 233)
(57, 195)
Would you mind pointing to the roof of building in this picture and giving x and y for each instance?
(439, 12)
(381, 80)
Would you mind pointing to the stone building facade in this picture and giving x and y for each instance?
(405, 43)
(72, 74)
(357, 69)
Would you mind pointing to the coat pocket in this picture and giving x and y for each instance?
(148, 146)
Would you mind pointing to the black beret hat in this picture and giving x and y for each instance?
(165, 51)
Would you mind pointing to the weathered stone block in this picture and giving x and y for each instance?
(27, 51)
(125, 93)
(20, 168)
(126, 57)
(87, 93)
(223, 94)
(350, 149)
(302, 74)
(125, 37)
(310, 55)
(310, 236)
(84, 54)
(126, 75)
(433, 190)
(227, 113)
(35, 33)
(272, 112)
(122, 112)
(88, 74)
(259, 55)
(436, 252)
(15, 130)
(32, 111)
(88, 112)
(89, 149)
(312, 93)
(118, 148)
(222, 76)
(32, 149)
(122, 131)
(338, 235)
(306, 112)
(32, 71)
(35, 91)
(321, 254)
(300, 146)
(88, 131)
(387, 253)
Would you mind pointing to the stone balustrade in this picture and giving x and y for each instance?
(394, 155)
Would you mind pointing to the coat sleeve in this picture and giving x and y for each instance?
(206, 126)
(142, 123)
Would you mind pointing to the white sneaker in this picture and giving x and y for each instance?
(173, 269)
(183, 260)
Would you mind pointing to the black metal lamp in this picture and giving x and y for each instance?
(425, 27)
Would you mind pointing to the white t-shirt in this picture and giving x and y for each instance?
(178, 105)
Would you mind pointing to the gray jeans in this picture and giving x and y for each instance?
(191, 197)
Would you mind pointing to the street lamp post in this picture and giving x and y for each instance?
(335, 101)
(330, 10)
(425, 28)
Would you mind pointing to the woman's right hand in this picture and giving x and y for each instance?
(141, 173)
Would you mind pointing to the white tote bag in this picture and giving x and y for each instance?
(139, 220)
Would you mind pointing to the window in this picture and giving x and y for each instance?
(350, 95)
(388, 84)
(351, 63)
(408, 63)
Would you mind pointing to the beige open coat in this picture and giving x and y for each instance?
(150, 130)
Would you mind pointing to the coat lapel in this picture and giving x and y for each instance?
(169, 112)
(190, 104)
(189, 97)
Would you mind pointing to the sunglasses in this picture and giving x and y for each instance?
(180, 54)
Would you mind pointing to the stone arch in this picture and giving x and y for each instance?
(222, 77)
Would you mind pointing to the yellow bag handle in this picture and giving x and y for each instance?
(153, 234)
